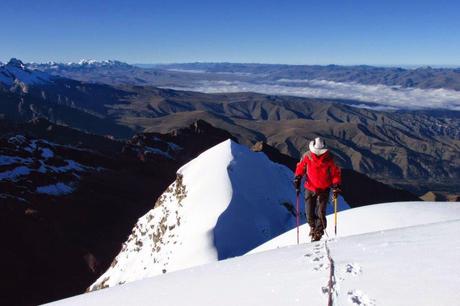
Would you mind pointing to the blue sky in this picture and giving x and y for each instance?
(373, 32)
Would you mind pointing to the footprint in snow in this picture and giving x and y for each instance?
(357, 297)
(321, 267)
(318, 258)
(353, 269)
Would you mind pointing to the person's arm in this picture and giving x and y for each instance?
(301, 168)
(299, 172)
(336, 174)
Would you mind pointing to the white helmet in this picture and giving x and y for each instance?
(318, 146)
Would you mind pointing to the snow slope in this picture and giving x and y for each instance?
(374, 218)
(415, 265)
(223, 203)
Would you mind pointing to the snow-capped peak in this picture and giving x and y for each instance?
(81, 64)
(95, 63)
(223, 203)
(16, 73)
(86, 62)
(14, 62)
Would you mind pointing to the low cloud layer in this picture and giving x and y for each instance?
(390, 97)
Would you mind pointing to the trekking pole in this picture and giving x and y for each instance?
(297, 216)
(335, 215)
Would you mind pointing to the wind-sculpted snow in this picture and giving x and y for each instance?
(224, 203)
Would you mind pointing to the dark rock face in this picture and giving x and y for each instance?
(358, 189)
(68, 203)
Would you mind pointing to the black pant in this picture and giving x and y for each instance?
(315, 207)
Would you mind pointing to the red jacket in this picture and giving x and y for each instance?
(321, 171)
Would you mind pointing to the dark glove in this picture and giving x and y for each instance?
(297, 181)
(336, 190)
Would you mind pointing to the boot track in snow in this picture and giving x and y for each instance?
(331, 283)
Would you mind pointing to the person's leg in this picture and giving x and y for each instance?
(310, 209)
(323, 199)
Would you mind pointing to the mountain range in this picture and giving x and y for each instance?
(160, 74)
(414, 149)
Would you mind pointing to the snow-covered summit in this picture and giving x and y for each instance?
(95, 63)
(86, 62)
(223, 203)
(15, 72)
(14, 62)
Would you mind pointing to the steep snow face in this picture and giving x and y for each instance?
(15, 72)
(224, 203)
(374, 218)
(415, 265)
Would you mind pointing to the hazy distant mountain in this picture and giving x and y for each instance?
(112, 72)
(423, 77)
(27, 94)
(388, 88)
(116, 72)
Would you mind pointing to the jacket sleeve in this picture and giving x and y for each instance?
(301, 168)
(336, 174)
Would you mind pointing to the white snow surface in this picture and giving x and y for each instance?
(224, 203)
(373, 218)
(409, 265)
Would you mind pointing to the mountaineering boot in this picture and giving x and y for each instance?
(317, 235)
(312, 232)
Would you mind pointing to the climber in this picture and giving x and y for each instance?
(322, 174)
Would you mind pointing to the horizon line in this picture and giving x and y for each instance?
(136, 63)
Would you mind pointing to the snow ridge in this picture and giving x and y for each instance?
(242, 201)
